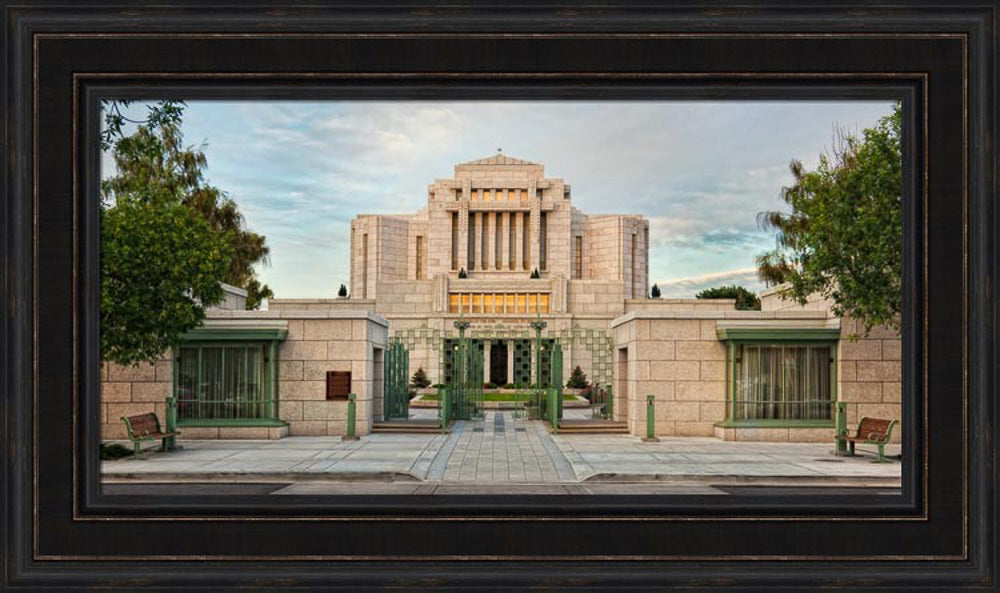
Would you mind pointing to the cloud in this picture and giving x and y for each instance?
(699, 171)
(689, 286)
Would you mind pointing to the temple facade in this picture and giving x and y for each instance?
(499, 245)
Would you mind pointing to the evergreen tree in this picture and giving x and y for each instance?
(343, 291)
(655, 292)
(420, 379)
(577, 379)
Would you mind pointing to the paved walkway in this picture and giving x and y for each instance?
(501, 449)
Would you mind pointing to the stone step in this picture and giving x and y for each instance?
(413, 426)
(592, 427)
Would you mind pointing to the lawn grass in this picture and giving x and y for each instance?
(502, 397)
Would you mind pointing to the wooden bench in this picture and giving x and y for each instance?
(871, 431)
(145, 427)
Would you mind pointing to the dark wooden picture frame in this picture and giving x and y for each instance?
(61, 532)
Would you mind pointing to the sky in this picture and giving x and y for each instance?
(699, 171)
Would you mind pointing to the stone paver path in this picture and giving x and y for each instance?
(502, 449)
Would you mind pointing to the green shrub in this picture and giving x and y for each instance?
(114, 451)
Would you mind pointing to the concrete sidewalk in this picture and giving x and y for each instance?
(501, 449)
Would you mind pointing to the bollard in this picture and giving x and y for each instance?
(840, 429)
(650, 420)
(352, 417)
(170, 443)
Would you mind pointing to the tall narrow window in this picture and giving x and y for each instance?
(420, 257)
(453, 302)
(497, 244)
(454, 240)
(509, 301)
(477, 303)
(543, 303)
(471, 253)
(484, 252)
(526, 236)
(635, 281)
(578, 254)
(364, 266)
(465, 302)
(542, 248)
(511, 240)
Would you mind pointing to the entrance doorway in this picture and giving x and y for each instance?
(498, 363)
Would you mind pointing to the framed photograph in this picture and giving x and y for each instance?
(582, 297)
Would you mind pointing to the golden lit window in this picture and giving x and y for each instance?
(532, 303)
(510, 303)
(477, 303)
(453, 303)
(465, 302)
(487, 303)
(543, 303)
(521, 302)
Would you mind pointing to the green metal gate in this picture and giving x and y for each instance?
(462, 397)
(549, 389)
(397, 372)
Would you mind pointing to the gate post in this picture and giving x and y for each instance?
(650, 420)
(444, 403)
(553, 411)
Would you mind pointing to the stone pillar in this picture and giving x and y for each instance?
(486, 361)
(510, 361)
(491, 241)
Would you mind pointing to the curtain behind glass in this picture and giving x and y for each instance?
(222, 382)
(782, 382)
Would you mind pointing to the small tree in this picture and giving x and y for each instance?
(342, 292)
(578, 379)
(655, 293)
(462, 273)
(535, 274)
(420, 379)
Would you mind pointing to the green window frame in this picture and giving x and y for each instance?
(780, 378)
(227, 377)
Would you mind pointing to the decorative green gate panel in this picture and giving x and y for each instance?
(465, 374)
(522, 362)
(396, 373)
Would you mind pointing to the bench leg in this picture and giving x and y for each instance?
(881, 454)
(852, 448)
(136, 450)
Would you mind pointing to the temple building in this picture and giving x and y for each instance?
(500, 246)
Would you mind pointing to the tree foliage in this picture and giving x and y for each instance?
(843, 238)
(419, 379)
(343, 291)
(655, 292)
(577, 379)
(745, 299)
(154, 160)
(161, 263)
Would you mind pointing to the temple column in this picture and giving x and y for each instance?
(510, 361)
(491, 241)
(519, 242)
(486, 361)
